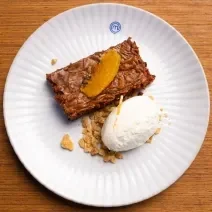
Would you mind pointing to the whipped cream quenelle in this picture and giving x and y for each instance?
(136, 122)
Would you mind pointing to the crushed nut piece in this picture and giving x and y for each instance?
(118, 155)
(67, 143)
(151, 97)
(97, 134)
(101, 120)
(94, 151)
(84, 130)
(87, 138)
(91, 116)
(149, 140)
(157, 131)
(102, 152)
(161, 109)
(87, 148)
(96, 128)
(53, 61)
(106, 158)
(82, 143)
(85, 121)
(113, 158)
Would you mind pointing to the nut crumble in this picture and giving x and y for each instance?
(91, 141)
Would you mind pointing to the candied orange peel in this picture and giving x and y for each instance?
(104, 73)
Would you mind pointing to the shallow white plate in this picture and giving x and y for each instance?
(36, 124)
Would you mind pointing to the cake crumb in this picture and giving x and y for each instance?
(53, 61)
(67, 143)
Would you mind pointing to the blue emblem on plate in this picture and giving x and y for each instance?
(115, 27)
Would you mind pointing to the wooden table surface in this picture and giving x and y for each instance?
(19, 191)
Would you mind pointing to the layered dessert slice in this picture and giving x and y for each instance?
(67, 82)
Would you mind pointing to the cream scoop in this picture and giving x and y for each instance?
(136, 122)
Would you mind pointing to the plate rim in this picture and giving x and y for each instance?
(32, 172)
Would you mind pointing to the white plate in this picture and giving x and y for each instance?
(35, 123)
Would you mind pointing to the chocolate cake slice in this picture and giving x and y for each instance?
(66, 82)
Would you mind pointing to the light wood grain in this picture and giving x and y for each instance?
(20, 192)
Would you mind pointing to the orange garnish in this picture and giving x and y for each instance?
(104, 74)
